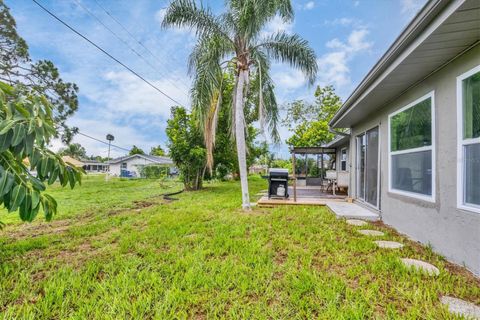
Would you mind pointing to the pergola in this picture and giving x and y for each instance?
(307, 151)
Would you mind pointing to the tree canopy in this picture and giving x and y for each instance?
(136, 150)
(74, 150)
(186, 147)
(157, 151)
(37, 77)
(26, 164)
(309, 121)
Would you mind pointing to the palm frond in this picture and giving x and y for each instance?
(267, 102)
(186, 13)
(251, 16)
(294, 50)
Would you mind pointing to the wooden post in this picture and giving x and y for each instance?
(294, 178)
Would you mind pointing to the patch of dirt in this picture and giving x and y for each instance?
(280, 257)
(32, 230)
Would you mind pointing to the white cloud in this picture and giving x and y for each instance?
(277, 24)
(289, 79)
(309, 5)
(333, 66)
(127, 95)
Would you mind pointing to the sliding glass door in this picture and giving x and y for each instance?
(367, 166)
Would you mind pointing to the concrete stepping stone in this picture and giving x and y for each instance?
(373, 233)
(461, 307)
(389, 244)
(421, 265)
(356, 222)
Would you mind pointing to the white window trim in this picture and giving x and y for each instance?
(346, 159)
(463, 142)
(431, 96)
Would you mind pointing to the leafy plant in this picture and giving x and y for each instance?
(26, 127)
(186, 148)
(309, 121)
(152, 171)
(136, 150)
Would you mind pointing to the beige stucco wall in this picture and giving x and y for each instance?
(452, 232)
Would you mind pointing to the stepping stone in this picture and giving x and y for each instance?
(461, 307)
(356, 222)
(373, 233)
(421, 265)
(389, 244)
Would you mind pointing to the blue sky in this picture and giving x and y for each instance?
(347, 36)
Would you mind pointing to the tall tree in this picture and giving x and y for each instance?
(74, 150)
(236, 39)
(309, 121)
(38, 77)
(136, 150)
(157, 151)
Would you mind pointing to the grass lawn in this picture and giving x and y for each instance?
(118, 250)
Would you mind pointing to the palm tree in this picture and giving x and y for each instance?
(74, 150)
(236, 39)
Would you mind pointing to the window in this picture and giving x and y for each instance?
(124, 166)
(468, 104)
(411, 153)
(343, 159)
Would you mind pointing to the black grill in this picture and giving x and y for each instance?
(277, 179)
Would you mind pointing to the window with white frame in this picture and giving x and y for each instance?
(343, 159)
(411, 152)
(468, 95)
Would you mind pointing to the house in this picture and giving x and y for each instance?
(414, 149)
(72, 161)
(95, 166)
(130, 165)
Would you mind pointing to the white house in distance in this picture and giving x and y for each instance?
(134, 162)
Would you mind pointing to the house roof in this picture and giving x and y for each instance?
(153, 159)
(73, 161)
(90, 162)
(340, 140)
(441, 31)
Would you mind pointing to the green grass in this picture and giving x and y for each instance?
(109, 257)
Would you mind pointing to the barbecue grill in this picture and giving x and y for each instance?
(278, 183)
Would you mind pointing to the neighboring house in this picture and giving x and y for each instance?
(72, 161)
(133, 163)
(94, 166)
(414, 148)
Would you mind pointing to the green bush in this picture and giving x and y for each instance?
(153, 171)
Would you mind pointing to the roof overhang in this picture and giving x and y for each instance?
(312, 150)
(439, 33)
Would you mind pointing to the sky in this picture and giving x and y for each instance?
(348, 36)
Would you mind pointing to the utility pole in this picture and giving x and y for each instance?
(110, 138)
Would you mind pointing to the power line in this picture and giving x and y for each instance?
(123, 41)
(128, 32)
(106, 53)
(93, 138)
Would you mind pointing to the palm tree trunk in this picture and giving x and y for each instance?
(240, 137)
